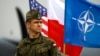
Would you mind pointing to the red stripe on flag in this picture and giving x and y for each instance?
(44, 31)
(45, 22)
(73, 50)
(56, 32)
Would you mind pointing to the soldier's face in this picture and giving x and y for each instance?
(35, 26)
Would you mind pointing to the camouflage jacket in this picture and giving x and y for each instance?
(42, 46)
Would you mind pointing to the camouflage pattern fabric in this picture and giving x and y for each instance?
(41, 46)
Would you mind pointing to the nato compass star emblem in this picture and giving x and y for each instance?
(86, 22)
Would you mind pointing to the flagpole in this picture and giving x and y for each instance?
(64, 48)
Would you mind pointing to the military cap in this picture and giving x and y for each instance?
(33, 14)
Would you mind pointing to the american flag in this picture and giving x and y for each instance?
(43, 11)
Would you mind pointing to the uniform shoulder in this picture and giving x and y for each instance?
(21, 42)
(50, 40)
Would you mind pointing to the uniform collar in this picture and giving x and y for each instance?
(35, 40)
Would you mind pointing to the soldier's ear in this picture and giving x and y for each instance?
(27, 24)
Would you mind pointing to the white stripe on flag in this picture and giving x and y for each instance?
(60, 4)
(45, 18)
(44, 34)
(56, 11)
(45, 27)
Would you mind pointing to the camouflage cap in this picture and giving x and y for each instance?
(33, 14)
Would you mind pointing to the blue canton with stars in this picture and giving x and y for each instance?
(37, 6)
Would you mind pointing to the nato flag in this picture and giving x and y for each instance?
(82, 23)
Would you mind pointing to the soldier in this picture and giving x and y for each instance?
(35, 44)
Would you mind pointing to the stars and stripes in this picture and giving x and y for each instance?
(37, 6)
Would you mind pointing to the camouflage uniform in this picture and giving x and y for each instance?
(42, 46)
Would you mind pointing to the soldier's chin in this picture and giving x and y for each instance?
(39, 31)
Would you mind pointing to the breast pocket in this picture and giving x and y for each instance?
(42, 49)
(24, 50)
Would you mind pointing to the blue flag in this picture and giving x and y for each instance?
(82, 23)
